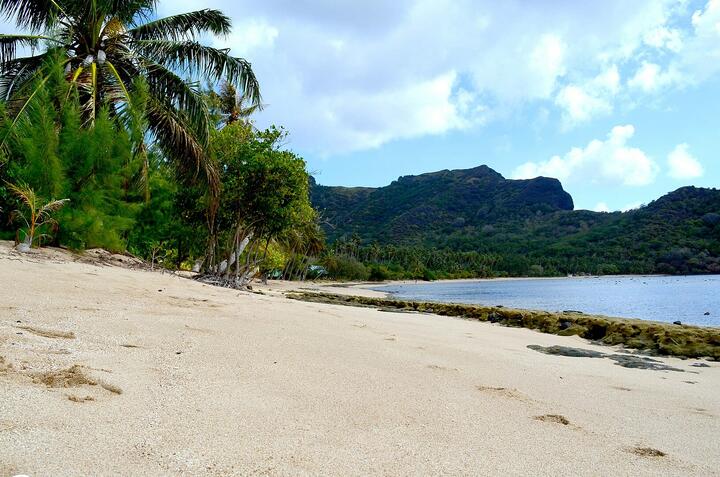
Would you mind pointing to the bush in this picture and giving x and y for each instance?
(429, 275)
(378, 273)
(344, 268)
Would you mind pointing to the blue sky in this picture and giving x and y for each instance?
(618, 99)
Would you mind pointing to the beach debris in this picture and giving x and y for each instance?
(678, 322)
(707, 313)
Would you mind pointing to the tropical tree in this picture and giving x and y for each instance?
(227, 106)
(105, 45)
(37, 213)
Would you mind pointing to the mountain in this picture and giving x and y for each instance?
(402, 211)
(518, 227)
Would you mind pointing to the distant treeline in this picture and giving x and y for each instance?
(677, 234)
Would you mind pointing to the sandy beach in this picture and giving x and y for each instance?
(106, 370)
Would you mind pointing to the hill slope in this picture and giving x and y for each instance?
(403, 210)
(528, 226)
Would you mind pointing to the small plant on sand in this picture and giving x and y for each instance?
(36, 214)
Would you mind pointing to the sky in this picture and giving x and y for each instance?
(618, 99)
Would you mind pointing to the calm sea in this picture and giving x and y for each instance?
(656, 298)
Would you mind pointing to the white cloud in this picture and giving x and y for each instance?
(662, 37)
(250, 36)
(324, 65)
(611, 161)
(580, 103)
(650, 77)
(601, 207)
(344, 77)
(703, 50)
(682, 164)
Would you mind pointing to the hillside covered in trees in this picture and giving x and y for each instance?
(474, 222)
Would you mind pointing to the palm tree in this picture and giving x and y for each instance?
(228, 106)
(38, 214)
(106, 45)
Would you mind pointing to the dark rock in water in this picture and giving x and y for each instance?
(641, 362)
(573, 311)
(700, 365)
(567, 351)
(707, 313)
(678, 322)
(564, 325)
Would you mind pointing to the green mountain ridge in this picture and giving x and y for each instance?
(529, 226)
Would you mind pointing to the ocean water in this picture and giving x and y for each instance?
(658, 298)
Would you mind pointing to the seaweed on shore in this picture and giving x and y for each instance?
(650, 336)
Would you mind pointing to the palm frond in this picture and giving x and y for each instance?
(24, 193)
(17, 214)
(168, 87)
(10, 43)
(18, 72)
(184, 26)
(127, 11)
(49, 208)
(31, 14)
(175, 137)
(195, 59)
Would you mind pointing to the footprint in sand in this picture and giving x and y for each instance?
(554, 418)
(45, 333)
(72, 377)
(441, 368)
(647, 452)
(504, 392)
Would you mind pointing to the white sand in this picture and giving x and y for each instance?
(266, 385)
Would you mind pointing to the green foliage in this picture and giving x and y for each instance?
(105, 47)
(345, 268)
(378, 273)
(474, 223)
(35, 213)
(93, 167)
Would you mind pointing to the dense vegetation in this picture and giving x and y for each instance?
(475, 223)
(106, 140)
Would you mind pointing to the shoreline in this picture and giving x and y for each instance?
(659, 338)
